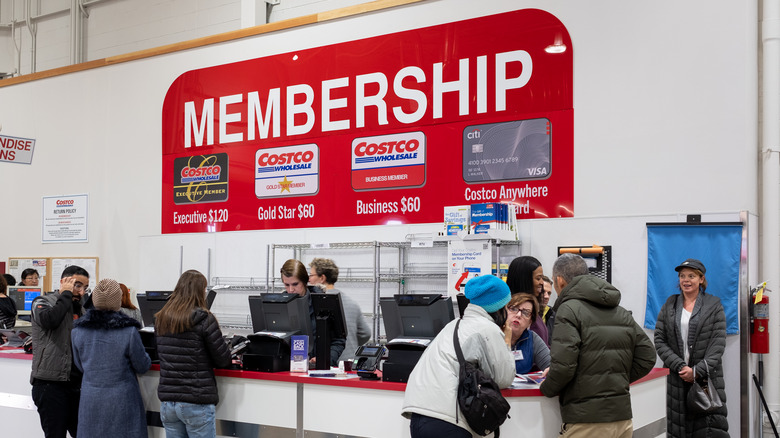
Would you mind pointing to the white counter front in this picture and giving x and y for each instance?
(255, 404)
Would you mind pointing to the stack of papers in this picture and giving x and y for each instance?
(529, 379)
(14, 338)
(323, 373)
(332, 373)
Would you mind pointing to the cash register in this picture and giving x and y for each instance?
(150, 303)
(276, 318)
(411, 322)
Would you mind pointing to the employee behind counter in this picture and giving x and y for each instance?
(295, 277)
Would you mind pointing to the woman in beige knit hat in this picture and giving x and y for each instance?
(108, 350)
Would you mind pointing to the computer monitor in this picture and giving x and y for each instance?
(417, 315)
(276, 317)
(152, 302)
(287, 313)
(331, 324)
(23, 297)
(390, 317)
(211, 294)
(256, 313)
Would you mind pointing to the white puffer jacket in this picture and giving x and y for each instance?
(433, 384)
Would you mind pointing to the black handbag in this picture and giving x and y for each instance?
(479, 397)
(703, 397)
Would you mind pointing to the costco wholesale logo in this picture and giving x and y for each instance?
(200, 179)
(287, 171)
(65, 203)
(388, 161)
(197, 174)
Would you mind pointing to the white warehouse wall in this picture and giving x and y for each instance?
(115, 27)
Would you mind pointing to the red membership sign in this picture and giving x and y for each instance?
(383, 130)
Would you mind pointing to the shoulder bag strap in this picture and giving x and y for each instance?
(458, 351)
(461, 362)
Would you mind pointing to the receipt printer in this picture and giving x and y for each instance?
(268, 352)
(403, 356)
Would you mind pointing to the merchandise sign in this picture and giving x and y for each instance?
(16, 150)
(388, 129)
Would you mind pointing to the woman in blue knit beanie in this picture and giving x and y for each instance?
(431, 392)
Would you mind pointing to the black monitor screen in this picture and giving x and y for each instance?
(287, 313)
(150, 303)
(329, 306)
(153, 301)
(211, 294)
(418, 316)
(390, 317)
(256, 312)
(23, 297)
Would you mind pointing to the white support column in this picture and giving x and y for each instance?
(770, 200)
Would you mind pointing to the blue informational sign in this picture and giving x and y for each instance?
(717, 246)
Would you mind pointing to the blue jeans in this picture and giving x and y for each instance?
(188, 420)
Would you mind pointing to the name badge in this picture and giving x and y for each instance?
(518, 355)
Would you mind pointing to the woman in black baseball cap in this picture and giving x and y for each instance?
(690, 337)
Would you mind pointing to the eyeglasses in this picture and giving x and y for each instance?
(525, 312)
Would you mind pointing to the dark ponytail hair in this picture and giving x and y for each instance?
(499, 317)
(520, 274)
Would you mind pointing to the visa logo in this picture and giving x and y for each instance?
(536, 171)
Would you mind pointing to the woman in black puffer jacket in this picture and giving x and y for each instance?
(690, 336)
(190, 345)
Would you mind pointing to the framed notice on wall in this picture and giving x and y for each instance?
(90, 264)
(65, 219)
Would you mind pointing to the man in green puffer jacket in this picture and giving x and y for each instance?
(597, 350)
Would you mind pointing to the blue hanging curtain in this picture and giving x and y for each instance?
(717, 246)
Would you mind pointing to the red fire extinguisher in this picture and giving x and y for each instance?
(759, 329)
